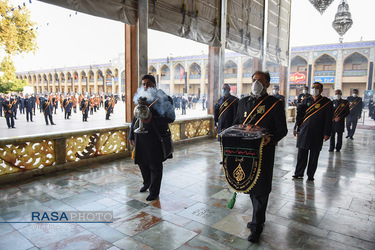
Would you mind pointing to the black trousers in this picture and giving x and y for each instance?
(332, 141)
(303, 155)
(46, 117)
(107, 114)
(67, 114)
(259, 211)
(10, 121)
(152, 174)
(351, 124)
(29, 113)
(84, 117)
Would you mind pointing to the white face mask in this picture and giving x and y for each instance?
(256, 88)
(304, 91)
(275, 91)
(315, 92)
(224, 91)
(338, 97)
(354, 95)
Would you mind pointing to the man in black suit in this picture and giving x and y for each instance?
(148, 146)
(305, 94)
(225, 110)
(266, 111)
(340, 111)
(355, 107)
(275, 92)
(8, 112)
(47, 109)
(313, 126)
(29, 108)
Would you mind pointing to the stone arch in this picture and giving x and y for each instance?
(108, 74)
(165, 72)
(75, 75)
(152, 70)
(356, 58)
(230, 69)
(247, 67)
(195, 69)
(324, 58)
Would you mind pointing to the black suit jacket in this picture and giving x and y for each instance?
(148, 146)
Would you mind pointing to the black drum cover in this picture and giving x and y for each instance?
(242, 155)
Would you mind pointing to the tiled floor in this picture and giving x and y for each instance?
(337, 211)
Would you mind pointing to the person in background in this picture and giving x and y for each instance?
(225, 110)
(8, 112)
(305, 94)
(355, 107)
(275, 92)
(47, 109)
(28, 102)
(313, 126)
(340, 111)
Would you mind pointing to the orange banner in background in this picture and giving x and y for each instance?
(297, 78)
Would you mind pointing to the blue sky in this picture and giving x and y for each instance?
(67, 39)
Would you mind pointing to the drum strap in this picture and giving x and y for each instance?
(226, 107)
(254, 110)
(267, 111)
(338, 111)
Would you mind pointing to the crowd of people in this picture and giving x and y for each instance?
(15, 104)
(182, 102)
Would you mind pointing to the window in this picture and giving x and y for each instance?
(327, 67)
(356, 66)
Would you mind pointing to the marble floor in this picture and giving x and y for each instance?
(336, 211)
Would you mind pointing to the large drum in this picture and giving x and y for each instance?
(242, 155)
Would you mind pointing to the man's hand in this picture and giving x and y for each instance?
(147, 120)
(337, 119)
(326, 137)
(267, 140)
(215, 128)
(359, 117)
(132, 142)
(294, 132)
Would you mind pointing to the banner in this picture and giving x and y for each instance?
(298, 77)
(242, 155)
(324, 79)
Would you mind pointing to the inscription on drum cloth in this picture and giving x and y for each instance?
(202, 212)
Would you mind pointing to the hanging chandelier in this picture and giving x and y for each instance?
(343, 19)
(321, 5)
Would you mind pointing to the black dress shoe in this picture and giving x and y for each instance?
(254, 236)
(351, 137)
(310, 179)
(331, 150)
(53, 123)
(338, 151)
(297, 177)
(347, 136)
(143, 189)
(151, 197)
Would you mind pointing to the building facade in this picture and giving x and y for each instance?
(342, 66)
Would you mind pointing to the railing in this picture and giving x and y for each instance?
(325, 73)
(226, 76)
(194, 76)
(27, 156)
(168, 77)
(179, 77)
(358, 72)
(246, 75)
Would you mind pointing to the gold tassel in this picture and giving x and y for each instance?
(133, 154)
